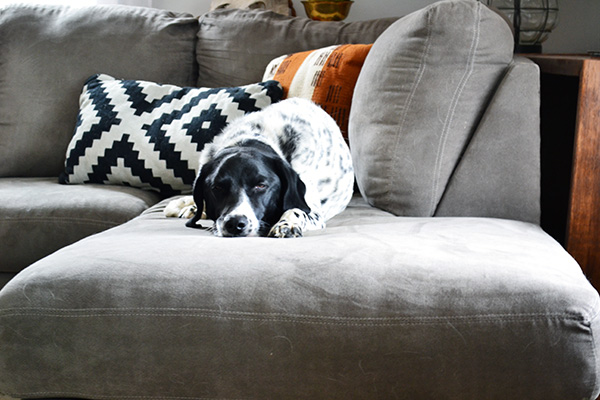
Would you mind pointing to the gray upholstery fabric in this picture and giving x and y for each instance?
(39, 216)
(47, 53)
(376, 306)
(422, 90)
(235, 46)
(499, 173)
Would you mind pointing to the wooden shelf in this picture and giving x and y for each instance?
(560, 64)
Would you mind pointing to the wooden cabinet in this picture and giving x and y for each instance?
(571, 155)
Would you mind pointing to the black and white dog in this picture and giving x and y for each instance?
(277, 172)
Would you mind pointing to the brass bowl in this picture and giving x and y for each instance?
(327, 10)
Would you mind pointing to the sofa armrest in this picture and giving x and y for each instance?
(499, 172)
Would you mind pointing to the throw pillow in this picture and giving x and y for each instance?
(326, 76)
(148, 135)
(418, 100)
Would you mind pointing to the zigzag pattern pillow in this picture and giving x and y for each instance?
(148, 135)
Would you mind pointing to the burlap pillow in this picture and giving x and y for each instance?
(326, 76)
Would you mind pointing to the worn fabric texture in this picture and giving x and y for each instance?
(48, 52)
(418, 100)
(235, 46)
(499, 173)
(39, 216)
(374, 307)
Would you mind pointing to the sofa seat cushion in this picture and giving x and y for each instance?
(375, 306)
(39, 216)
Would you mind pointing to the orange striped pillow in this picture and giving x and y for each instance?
(326, 76)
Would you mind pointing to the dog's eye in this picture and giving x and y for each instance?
(217, 188)
(261, 187)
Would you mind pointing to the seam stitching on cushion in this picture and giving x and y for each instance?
(299, 321)
(62, 219)
(435, 184)
(306, 319)
(87, 395)
(392, 171)
(251, 313)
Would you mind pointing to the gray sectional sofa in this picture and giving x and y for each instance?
(436, 282)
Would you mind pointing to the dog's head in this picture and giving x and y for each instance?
(246, 189)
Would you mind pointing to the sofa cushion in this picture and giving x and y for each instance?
(48, 52)
(326, 76)
(148, 135)
(235, 46)
(420, 95)
(375, 306)
(39, 216)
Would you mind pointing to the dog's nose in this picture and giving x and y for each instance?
(236, 225)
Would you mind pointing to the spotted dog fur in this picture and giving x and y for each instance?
(309, 140)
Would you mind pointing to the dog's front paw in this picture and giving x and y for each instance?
(188, 212)
(285, 229)
(183, 207)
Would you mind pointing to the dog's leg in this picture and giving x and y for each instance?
(294, 222)
(183, 207)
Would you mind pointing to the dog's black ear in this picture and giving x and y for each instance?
(292, 187)
(198, 195)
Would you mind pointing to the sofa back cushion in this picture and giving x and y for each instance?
(419, 98)
(235, 46)
(48, 52)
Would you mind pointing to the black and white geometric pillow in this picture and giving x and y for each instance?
(149, 135)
